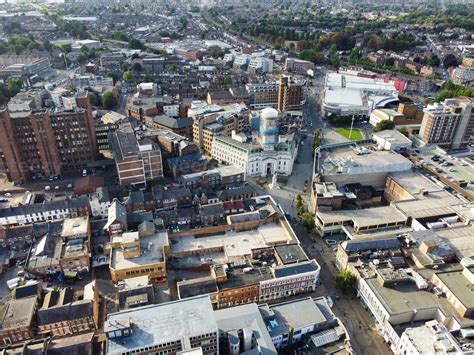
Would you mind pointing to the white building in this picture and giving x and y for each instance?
(346, 94)
(270, 154)
(261, 65)
(241, 61)
(430, 338)
(46, 211)
(463, 75)
(100, 202)
(290, 280)
(289, 322)
(391, 140)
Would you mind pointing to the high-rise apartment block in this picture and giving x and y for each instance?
(449, 124)
(37, 142)
(284, 95)
(290, 95)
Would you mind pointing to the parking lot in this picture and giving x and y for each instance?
(452, 167)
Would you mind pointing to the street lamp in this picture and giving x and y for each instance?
(352, 125)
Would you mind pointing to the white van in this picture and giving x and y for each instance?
(13, 283)
(84, 172)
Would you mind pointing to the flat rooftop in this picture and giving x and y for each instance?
(296, 315)
(413, 182)
(198, 286)
(236, 277)
(363, 217)
(350, 90)
(402, 298)
(151, 249)
(17, 313)
(405, 298)
(73, 227)
(459, 285)
(161, 323)
(294, 269)
(234, 244)
(290, 253)
(460, 238)
(362, 160)
(433, 204)
(123, 144)
(246, 316)
(357, 83)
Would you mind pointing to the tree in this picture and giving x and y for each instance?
(109, 101)
(346, 281)
(217, 53)
(389, 61)
(450, 61)
(14, 87)
(113, 76)
(317, 140)
(136, 44)
(308, 221)
(48, 46)
(137, 67)
(383, 125)
(404, 131)
(66, 48)
(228, 80)
(128, 76)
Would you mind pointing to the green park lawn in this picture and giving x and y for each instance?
(356, 134)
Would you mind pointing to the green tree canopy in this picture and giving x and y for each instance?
(137, 67)
(404, 131)
(346, 281)
(383, 125)
(308, 221)
(109, 101)
(128, 76)
(14, 87)
(136, 44)
(113, 76)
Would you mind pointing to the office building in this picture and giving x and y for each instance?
(136, 254)
(295, 65)
(137, 161)
(243, 330)
(260, 65)
(104, 126)
(213, 120)
(262, 95)
(38, 142)
(171, 328)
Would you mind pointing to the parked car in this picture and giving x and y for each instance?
(47, 188)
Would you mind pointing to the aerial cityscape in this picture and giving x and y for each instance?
(209, 177)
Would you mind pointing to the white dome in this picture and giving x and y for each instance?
(269, 113)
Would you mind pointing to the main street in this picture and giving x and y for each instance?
(360, 325)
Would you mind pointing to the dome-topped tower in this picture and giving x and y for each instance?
(268, 127)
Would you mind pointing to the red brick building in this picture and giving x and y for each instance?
(41, 143)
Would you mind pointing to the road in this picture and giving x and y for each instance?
(362, 330)
(122, 103)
